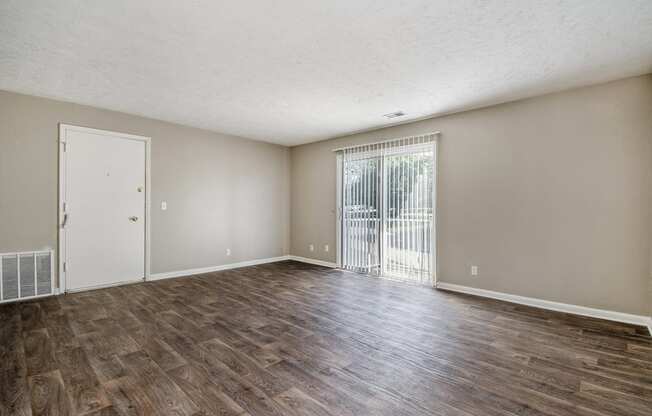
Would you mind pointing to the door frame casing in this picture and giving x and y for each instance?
(435, 204)
(338, 210)
(61, 249)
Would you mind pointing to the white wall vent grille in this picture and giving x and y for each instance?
(26, 275)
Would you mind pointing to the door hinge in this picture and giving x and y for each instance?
(65, 146)
(65, 267)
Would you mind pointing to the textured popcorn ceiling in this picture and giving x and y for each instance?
(296, 71)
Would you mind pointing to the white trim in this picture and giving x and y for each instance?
(148, 205)
(550, 305)
(190, 272)
(313, 261)
(63, 129)
(61, 284)
(201, 270)
(649, 326)
(434, 268)
(339, 212)
(63, 126)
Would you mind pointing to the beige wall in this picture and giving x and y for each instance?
(222, 191)
(551, 197)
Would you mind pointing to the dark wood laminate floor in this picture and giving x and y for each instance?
(294, 339)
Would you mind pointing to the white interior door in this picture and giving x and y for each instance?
(104, 209)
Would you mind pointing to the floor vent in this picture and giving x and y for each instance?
(26, 275)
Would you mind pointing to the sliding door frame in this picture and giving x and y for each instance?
(340, 243)
(435, 233)
(339, 232)
(382, 215)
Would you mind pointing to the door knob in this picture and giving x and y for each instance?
(133, 219)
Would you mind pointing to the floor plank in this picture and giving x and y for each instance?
(48, 395)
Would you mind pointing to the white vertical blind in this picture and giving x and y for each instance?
(387, 208)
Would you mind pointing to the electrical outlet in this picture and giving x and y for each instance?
(311, 247)
(326, 248)
(474, 270)
(228, 251)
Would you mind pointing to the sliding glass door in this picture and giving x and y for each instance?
(361, 214)
(386, 209)
(409, 214)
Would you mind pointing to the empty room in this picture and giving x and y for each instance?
(326, 208)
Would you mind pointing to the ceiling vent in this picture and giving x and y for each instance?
(394, 115)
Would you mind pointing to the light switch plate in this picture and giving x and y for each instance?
(164, 206)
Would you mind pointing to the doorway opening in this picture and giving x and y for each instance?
(104, 222)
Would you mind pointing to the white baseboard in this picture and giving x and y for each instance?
(313, 261)
(190, 272)
(553, 306)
